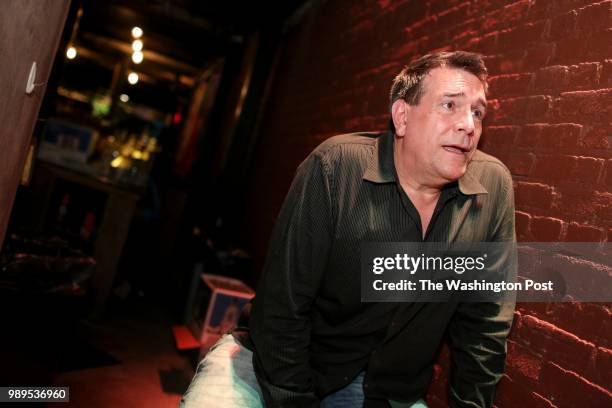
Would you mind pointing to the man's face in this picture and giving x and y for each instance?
(440, 134)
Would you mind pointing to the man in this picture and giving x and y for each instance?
(314, 342)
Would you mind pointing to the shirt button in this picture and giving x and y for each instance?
(365, 385)
(392, 323)
(345, 378)
(374, 352)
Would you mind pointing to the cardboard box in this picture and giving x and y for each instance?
(216, 308)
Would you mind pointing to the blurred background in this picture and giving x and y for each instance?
(147, 152)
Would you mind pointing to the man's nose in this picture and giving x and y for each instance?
(465, 123)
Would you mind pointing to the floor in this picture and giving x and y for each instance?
(128, 359)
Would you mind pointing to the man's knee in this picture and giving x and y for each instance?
(224, 378)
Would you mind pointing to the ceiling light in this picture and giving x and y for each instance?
(136, 32)
(133, 78)
(137, 57)
(124, 98)
(137, 45)
(71, 53)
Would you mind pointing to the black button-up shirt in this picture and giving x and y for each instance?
(310, 331)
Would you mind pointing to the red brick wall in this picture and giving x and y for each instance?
(550, 121)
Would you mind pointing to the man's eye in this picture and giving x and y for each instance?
(448, 105)
(478, 114)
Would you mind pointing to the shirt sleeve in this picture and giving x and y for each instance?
(296, 260)
(478, 331)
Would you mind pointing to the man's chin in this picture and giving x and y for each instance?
(452, 175)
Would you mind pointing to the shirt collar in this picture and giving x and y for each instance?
(381, 168)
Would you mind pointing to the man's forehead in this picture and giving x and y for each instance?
(443, 81)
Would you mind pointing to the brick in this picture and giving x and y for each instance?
(548, 136)
(405, 51)
(594, 17)
(554, 343)
(580, 277)
(580, 202)
(558, 167)
(486, 44)
(583, 48)
(597, 137)
(587, 169)
(563, 26)
(509, 62)
(421, 28)
(437, 41)
(521, 36)
(603, 366)
(529, 135)
(608, 178)
(406, 10)
(562, 6)
(363, 26)
(538, 309)
(461, 33)
(606, 74)
(528, 257)
(551, 79)
(522, 364)
(563, 315)
(362, 122)
(524, 109)
(546, 229)
(584, 169)
(539, 55)
(564, 135)
(586, 105)
(510, 110)
(583, 233)
(510, 14)
(519, 164)
(453, 16)
(534, 195)
(438, 7)
(509, 85)
(584, 76)
(507, 392)
(541, 402)
(512, 393)
(593, 322)
(539, 9)
(522, 221)
(539, 108)
(602, 205)
(571, 389)
(498, 136)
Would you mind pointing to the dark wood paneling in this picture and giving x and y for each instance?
(30, 30)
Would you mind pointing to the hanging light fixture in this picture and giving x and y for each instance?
(133, 78)
(136, 32)
(71, 53)
(137, 57)
(137, 45)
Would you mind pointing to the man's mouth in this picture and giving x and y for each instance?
(457, 149)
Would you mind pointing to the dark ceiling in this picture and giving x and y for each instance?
(181, 38)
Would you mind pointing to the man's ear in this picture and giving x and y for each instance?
(399, 116)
